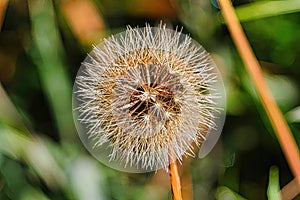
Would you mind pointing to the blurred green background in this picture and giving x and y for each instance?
(42, 45)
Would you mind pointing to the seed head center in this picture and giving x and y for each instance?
(150, 100)
(147, 93)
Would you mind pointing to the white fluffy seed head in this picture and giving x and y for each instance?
(146, 97)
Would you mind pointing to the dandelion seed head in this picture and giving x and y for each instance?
(144, 97)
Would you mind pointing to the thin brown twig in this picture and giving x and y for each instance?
(175, 181)
(282, 131)
(290, 191)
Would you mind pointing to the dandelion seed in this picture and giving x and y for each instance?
(145, 96)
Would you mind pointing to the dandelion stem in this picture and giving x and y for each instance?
(282, 131)
(175, 181)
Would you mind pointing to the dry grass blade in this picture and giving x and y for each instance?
(290, 191)
(3, 6)
(278, 122)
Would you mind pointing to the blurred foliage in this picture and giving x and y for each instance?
(41, 48)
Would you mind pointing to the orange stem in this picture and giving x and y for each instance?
(282, 131)
(175, 181)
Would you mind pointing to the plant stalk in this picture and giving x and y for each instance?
(290, 191)
(175, 181)
(282, 131)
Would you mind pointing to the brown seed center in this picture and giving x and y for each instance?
(147, 97)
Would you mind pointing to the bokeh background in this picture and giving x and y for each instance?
(42, 45)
